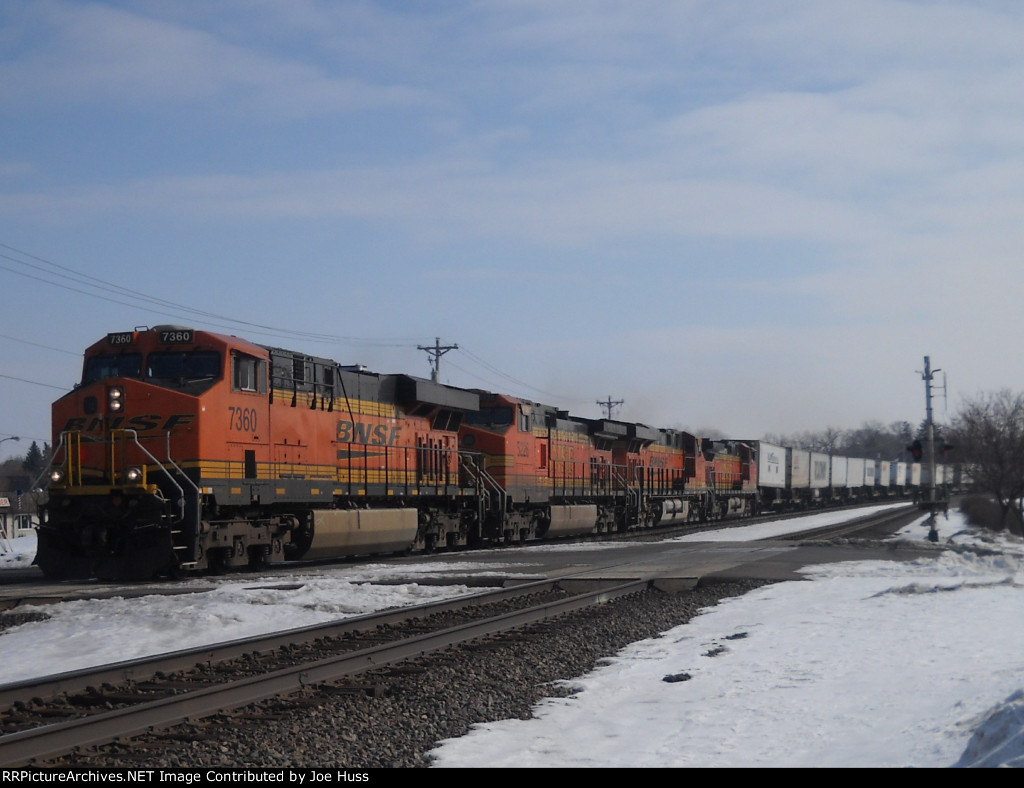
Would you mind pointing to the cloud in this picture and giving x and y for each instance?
(686, 198)
(76, 54)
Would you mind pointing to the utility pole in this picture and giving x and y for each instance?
(609, 404)
(435, 353)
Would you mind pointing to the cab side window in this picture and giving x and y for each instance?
(248, 373)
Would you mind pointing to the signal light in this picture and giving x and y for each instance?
(916, 450)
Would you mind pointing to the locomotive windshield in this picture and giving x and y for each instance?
(175, 367)
(128, 365)
(183, 366)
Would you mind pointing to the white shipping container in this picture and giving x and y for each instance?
(898, 474)
(869, 473)
(883, 473)
(939, 474)
(821, 469)
(771, 465)
(854, 472)
(800, 469)
(914, 474)
(839, 468)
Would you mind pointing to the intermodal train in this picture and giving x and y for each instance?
(186, 451)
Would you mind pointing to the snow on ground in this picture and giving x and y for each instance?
(85, 633)
(871, 663)
(17, 553)
(874, 663)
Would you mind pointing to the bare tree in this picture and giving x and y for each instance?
(827, 440)
(988, 434)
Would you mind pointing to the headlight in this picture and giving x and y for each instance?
(134, 475)
(115, 399)
(56, 476)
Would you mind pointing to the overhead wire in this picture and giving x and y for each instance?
(112, 292)
(510, 378)
(37, 344)
(112, 288)
(34, 382)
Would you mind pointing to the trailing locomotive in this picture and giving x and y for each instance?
(186, 451)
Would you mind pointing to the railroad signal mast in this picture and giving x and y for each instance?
(929, 448)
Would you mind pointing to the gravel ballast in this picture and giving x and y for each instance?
(394, 716)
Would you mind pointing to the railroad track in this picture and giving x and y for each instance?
(886, 521)
(24, 584)
(44, 719)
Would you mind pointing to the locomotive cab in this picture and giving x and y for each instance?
(123, 498)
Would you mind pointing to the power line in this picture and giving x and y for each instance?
(34, 382)
(51, 273)
(36, 344)
(34, 439)
(138, 297)
(517, 381)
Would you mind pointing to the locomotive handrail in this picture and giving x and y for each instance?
(482, 477)
(36, 489)
(186, 477)
(177, 467)
(181, 492)
(74, 464)
(480, 474)
(631, 492)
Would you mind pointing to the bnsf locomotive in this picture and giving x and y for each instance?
(183, 450)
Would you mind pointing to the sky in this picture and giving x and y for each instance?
(754, 216)
(870, 663)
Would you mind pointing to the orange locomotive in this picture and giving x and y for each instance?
(183, 450)
(187, 450)
(560, 475)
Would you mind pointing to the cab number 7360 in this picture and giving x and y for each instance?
(241, 419)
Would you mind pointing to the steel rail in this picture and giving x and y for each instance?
(30, 576)
(31, 746)
(903, 515)
(145, 668)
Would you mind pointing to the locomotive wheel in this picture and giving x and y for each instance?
(259, 558)
(219, 560)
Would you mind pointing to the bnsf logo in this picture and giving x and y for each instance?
(141, 423)
(368, 434)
